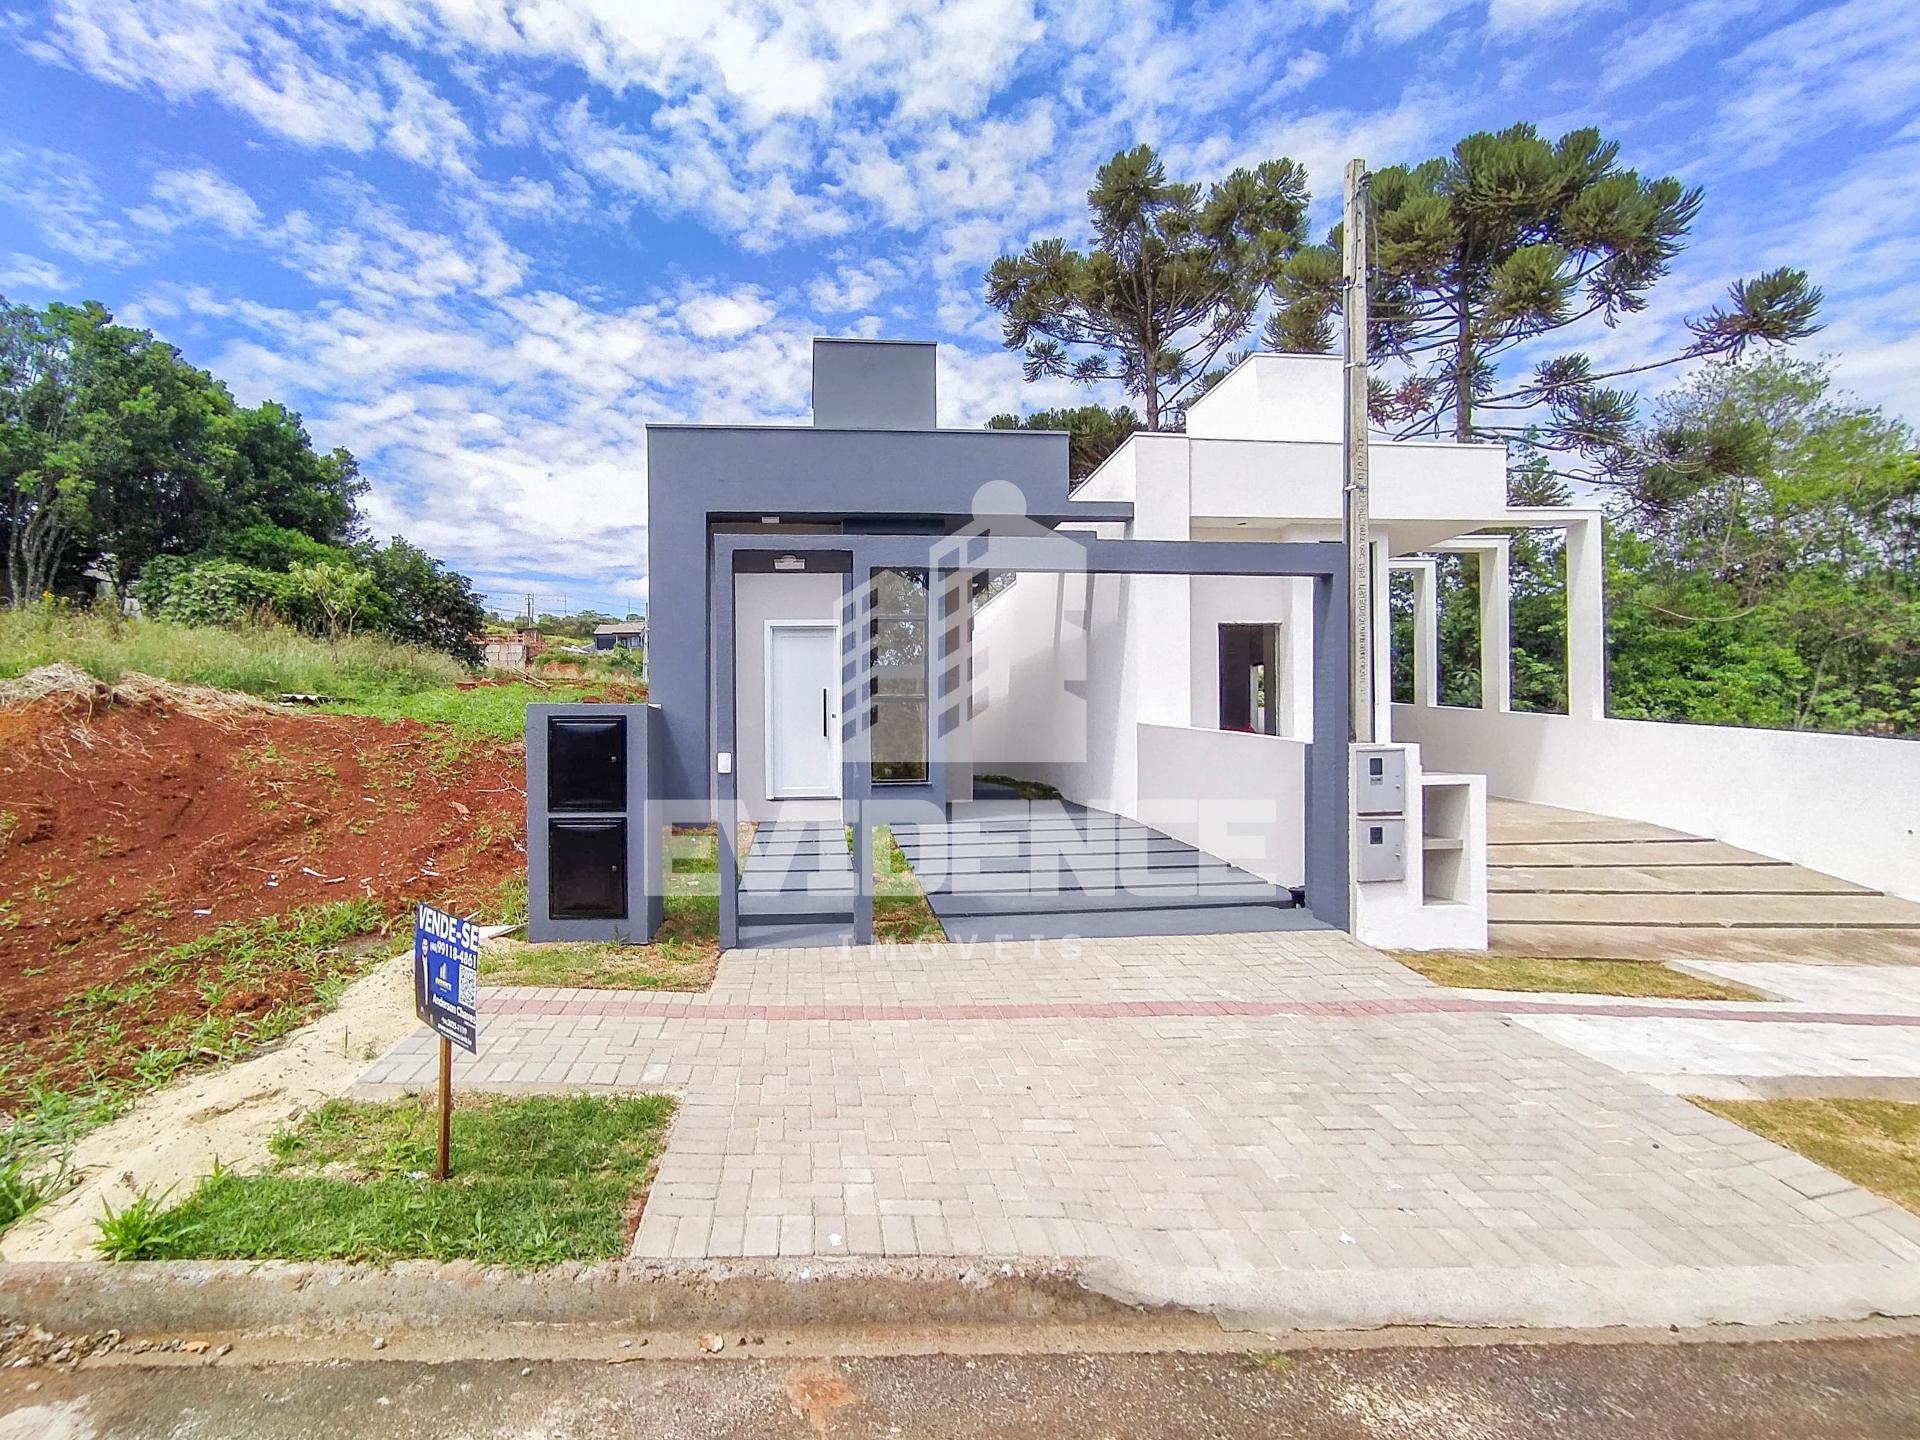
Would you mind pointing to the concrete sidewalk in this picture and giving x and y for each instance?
(1290, 1128)
(1835, 1030)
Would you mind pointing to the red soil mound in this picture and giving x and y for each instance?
(131, 828)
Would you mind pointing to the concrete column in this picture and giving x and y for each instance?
(1382, 640)
(1426, 629)
(1160, 628)
(1496, 627)
(1586, 618)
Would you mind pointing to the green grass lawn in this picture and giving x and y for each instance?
(671, 962)
(362, 674)
(117, 1041)
(1641, 979)
(1874, 1143)
(256, 659)
(901, 915)
(536, 1180)
(496, 712)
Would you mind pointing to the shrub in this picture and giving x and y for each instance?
(223, 592)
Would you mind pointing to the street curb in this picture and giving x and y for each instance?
(143, 1298)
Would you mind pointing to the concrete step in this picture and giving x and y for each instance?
(1813, 911)
(1224, 920)
(1173, 900)
(1594, 828)
(795, 934)
(1626, 852)
(1668, 879)
(1758, 944)
(787, 905)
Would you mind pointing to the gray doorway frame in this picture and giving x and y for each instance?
(857, 556)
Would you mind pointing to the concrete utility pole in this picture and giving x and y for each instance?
(1355, 519)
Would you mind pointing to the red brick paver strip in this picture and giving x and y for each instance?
(624, 1006)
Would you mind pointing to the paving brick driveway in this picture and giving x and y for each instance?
(1288, 1125)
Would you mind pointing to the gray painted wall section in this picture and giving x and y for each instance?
(646, 844)
(697, 474)
(874, 385)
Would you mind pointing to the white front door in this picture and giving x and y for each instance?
(803, 711)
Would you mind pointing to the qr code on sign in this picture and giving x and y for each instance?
(469, 985)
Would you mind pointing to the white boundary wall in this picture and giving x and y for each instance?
(1239, 796)
(1847, 805)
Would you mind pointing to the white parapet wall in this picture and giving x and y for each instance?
(1846, 805)
(1239, 796)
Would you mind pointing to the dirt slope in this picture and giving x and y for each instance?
(128, 828)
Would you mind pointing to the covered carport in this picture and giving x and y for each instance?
(1192, 883)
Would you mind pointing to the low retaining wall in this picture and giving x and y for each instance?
(1846, 805)
(1239, 796)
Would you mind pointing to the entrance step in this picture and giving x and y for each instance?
(1672, 943)
(1669, 879)
(1720, 912)
(1564, 884)
(1619, 852)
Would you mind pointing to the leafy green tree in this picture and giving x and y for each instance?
(267, 546)
(1171, 282)
(1771, 575)
(119, 458)
(45, 482)
(1498, 244)
(1095, 433)
(114, 450)
(331, 596)
(430, 604)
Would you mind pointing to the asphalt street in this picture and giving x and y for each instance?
(1859, 1389)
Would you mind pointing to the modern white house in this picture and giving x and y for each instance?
(1207, 680)
(873, 620)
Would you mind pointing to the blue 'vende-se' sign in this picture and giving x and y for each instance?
(446, 975)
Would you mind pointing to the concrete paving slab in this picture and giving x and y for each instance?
(1275, 1125)
(1868, 989)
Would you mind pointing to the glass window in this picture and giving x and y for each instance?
(899, 656)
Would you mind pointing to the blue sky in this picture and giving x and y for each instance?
(482, 243)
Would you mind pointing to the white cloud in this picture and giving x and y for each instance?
(1670, 36)
(1404, 19)
(244, 54)
(1507, 16)
(1850, 64)
(854, 286)
(56, 193)
(180, 198)
(20, 271)
(722, 316)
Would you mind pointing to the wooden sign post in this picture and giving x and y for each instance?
(446, 985)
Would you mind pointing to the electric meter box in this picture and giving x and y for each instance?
(1379, 780)
(1379, 848)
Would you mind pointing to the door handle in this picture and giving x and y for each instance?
(823, 716)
